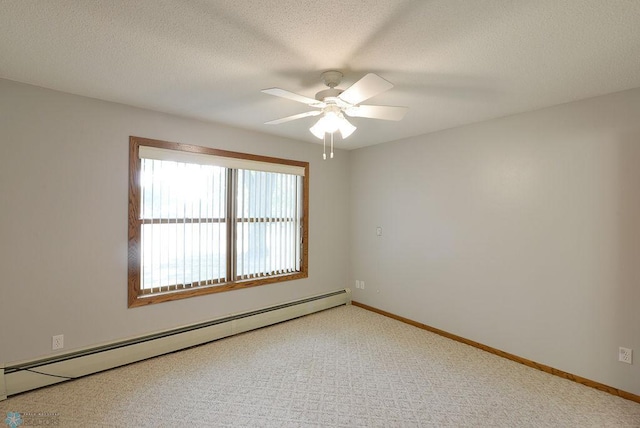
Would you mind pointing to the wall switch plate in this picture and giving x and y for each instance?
(362, 284)
(378, 231)
(625, 355)
(357, 283)
(57, 342)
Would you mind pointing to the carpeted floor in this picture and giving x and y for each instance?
(344, 367)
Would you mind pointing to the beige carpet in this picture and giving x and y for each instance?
(345, 367)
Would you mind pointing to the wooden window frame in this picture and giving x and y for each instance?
(135, 296)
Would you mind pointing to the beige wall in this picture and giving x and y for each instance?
(522, 233)
(63, 221)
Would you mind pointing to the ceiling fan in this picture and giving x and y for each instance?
(334, 103)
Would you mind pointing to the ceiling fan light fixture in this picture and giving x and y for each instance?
(331, 122)
(346, 128)
(318, 129)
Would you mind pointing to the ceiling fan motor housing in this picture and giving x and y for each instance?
(332, 92)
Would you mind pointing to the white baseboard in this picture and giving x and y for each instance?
(28, 375)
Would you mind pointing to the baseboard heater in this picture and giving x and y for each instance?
(28, 375)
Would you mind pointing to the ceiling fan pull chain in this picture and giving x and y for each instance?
(324, 147)
(332, 145)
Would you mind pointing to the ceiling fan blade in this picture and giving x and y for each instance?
(365, 88)
(291, 96)
(377, 112)
(294, 117)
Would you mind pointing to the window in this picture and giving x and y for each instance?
(203, 220)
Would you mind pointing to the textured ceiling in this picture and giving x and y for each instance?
(452, 62)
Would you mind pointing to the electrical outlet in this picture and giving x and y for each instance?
(357, 283)
(625, 355)
(57, 342)
(362, 284)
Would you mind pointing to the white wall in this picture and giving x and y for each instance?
(63, 221)
(522, 233)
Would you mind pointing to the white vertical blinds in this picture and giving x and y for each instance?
(183, 216)
(268, 224)
(185, 210)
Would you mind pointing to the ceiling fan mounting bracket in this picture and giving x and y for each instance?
(331, 78)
